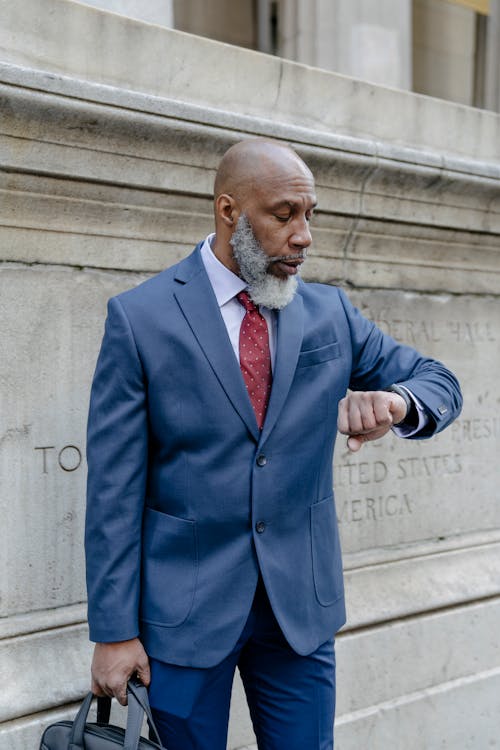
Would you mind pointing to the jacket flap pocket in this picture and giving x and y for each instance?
(316, 356)
(169, 568)
(326, 556)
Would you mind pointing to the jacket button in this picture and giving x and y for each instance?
(261, 460)
(260, 527)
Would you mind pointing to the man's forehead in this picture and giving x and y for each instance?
(290, 169)
(282, 184)
(292, 201)
(286, 188)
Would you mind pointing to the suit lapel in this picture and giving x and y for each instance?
(198, 303)
(290, 334)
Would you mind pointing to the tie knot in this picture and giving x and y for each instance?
(247, 303)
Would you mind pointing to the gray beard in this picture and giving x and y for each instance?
(263, 288)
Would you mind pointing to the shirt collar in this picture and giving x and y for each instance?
(225, 283)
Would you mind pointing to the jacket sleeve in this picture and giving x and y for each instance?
(117, 457)
(379, 361)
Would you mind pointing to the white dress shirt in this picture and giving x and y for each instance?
(227, 285)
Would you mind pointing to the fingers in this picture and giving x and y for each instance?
(382, 408)
(363, 411)
(144, 672)
(121, 694)
(397, 408)
(96, 689)
(113, 686)
(365, 415)
(114, 663)
(354, 444)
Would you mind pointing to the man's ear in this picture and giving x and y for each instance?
(226, 210)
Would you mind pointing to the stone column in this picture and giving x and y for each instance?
(366, 40)
(159, 12)
(224, 20)
(492, 62)
(444, 50)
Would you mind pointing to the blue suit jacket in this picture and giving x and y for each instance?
(179, 476)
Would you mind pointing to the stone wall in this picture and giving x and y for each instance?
(106, 172)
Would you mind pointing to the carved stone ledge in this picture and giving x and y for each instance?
(110, 181)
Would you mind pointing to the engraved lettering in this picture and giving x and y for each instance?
(69, 458)
(416, 332)
(356, 510)
(370, 509)
(396, 328)
(375, 509)
(365, 472)
(478, 428)
(44, 449)
(344, 512)
(391, 507)
(406, 504)
(429, 332)
(379, 471)
(72, 461)
(411, 331)
(454, 329)
(453, 464)
(429, 466)
(471, 332)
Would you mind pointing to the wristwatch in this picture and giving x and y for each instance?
(394, 388)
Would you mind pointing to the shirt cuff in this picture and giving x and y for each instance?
(404, 430)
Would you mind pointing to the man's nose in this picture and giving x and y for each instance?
(301, 237)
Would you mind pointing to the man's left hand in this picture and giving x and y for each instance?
(368, 415)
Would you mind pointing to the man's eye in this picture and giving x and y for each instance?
(282, 218)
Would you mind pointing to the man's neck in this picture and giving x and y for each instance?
(224, 253)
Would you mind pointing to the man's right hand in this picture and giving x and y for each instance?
(114, 663)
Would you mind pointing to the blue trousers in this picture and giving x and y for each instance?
(291, 697)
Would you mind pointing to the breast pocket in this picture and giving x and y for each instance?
(311, 357)
(169, 568)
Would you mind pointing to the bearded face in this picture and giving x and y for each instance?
(271, 280)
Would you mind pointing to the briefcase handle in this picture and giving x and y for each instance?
(138, 705)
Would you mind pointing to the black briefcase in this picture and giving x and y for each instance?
(101, 735)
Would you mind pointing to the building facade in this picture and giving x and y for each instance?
(444, 48)
(112, 125)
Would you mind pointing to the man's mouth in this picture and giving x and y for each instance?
(288, 264)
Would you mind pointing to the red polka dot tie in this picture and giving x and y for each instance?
(255, 357)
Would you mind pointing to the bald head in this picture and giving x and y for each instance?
(266, 185)
(251, 162)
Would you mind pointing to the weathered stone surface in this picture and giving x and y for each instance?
(379, 664)
(463, 714)
(431, 672)
(108, 178)
(62, 654)
(172, 64)
(53, 321)
(20, 734)
(404, 492)
(118, 188)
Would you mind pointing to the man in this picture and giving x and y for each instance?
(212, 539)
